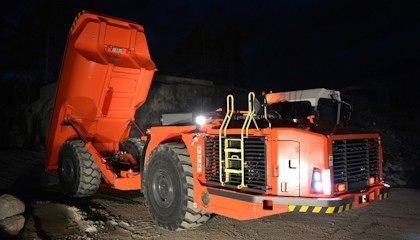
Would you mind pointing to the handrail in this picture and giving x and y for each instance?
(229, 112)
(249, 116)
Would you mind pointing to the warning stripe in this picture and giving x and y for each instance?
(328, 210)
(318, 209)
(75, 21)
(382, 196)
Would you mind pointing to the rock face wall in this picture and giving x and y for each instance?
(182, 95)
(167, 95)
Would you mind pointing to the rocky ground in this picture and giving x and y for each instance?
(113, 214)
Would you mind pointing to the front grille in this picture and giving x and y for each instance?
(354, 161)
(255, 167)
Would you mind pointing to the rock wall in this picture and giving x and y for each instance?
(167, 94)
(182, 95)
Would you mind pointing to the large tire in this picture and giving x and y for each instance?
(134, 146)
(169, 193)
(77, 172)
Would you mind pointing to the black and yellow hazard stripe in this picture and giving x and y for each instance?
(382, 196)
(318, 209)
(75, 21)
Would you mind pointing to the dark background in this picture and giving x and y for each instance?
(368, 47)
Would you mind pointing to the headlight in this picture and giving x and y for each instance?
(200, 120)
(321, 182)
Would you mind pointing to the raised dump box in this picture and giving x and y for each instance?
(105, 76)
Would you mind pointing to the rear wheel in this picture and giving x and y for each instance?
(77, 172)
(168, 183)
(134, 146)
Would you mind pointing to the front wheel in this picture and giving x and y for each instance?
(169, 193)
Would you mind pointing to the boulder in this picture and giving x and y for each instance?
(12, 225)
(10, 206)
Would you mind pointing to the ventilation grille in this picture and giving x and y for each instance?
(255, 167)
(355, 160)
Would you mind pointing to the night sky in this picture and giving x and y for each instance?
(262, 45)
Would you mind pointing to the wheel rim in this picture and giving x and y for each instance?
(67, 170)
(163, 189)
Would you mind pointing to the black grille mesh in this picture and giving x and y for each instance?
(255, 167)
(354, 161)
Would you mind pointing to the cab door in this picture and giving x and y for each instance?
(288, 160)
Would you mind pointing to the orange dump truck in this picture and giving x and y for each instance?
(288, 152)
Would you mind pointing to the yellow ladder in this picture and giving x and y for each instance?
(234, 152)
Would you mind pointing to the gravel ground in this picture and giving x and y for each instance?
(113, 214)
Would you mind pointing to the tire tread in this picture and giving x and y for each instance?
(191, 217)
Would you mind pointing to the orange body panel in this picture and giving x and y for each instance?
(105, 76)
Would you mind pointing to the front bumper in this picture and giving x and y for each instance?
(315, 205)
(342, 203)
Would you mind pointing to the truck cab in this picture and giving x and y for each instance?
(292, 149)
